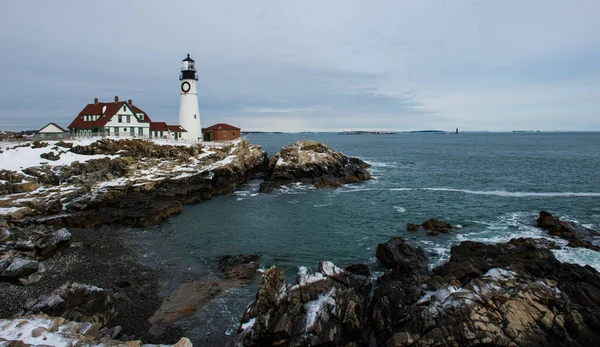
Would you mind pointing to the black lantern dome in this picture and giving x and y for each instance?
(188, 70)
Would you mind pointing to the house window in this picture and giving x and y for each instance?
(117, 131)
(120, 119)
(124, 129)
(124, 108)
(233, 133)
(141, 116)
(128, 119)
(140, 131)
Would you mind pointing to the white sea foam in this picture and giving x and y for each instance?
(381, 164)
(400, 209)
(501, 193)
(581, 256)
(517, 194)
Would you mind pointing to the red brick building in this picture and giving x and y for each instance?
(221, 132)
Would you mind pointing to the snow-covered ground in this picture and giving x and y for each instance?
(17, 159)
(142, 175)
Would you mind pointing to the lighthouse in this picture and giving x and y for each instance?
(189, 113)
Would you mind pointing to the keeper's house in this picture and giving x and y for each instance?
(118, 118)
(52, 131)
(121, 119)
(221, 132)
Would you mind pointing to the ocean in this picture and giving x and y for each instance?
(493, 185)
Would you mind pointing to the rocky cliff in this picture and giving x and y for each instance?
(313, 163)
(134, 182)
(509, 294)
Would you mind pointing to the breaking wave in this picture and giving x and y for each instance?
(501, 193)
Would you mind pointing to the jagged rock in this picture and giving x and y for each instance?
(241, 267)
(434, 226)
(39, 144)
(403, 258)
(358, 269)
(15, 213)
(24, 245)
(41, 330)
(412, 227)
(471, 259)
(4, 234)
(324, 308)
(19, 268)
(75, 301)
(80, 198)
(564, 230)
(314, 163)
(185, 300)
(508, 294)
(48, 245)
(4, 263)
(50, 156)
(511, 294)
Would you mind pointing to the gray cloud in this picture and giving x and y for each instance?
(308, 65)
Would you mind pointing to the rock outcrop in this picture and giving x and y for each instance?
(41, 330)
(76, 302)
(21, 255)
(137, 183)
(239, 267)
(562, 229)
(313, 163)
(434, 227)
(508, 294)
(185, 300)
(326, 308)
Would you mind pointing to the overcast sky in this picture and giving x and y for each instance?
(309, 65)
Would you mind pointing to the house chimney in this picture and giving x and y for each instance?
(130, 102)
(116, 99)
(95, 100)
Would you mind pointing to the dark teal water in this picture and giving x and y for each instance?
(492, 184)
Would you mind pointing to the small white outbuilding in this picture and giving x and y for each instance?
(52, 131)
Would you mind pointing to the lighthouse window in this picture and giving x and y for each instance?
(194, 116)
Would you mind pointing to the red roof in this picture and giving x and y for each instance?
(221, 126)
(96, 109)
(158, 126)
(176, 128)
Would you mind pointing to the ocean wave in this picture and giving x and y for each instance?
(400, 209)
(501, 193)
(504, 193)
(381, 164)
(581, 256)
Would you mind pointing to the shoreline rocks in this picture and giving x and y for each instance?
(313, 163)
(434, 226)
(139, 183)
(507, 294)
(564, 230)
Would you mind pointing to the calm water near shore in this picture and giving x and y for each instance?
(491, 184)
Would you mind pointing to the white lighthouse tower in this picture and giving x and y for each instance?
(189, 113)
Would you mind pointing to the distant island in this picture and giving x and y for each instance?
(426, 131)
(366, 133)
